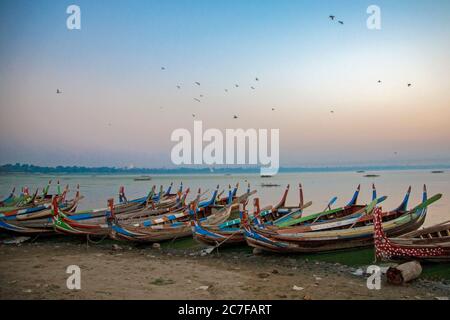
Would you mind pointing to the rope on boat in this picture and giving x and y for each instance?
(218, 244)
(35, 238)
(95, 242)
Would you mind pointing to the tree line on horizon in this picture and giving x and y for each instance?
(30, 168)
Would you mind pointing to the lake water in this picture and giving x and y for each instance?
(318, 187)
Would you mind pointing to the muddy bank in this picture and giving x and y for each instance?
(38, 271)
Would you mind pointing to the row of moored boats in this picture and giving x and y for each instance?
(223, 219)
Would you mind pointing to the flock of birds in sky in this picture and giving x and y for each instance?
(202, 96)
(198, 99)
(409, 84)
(334, 17)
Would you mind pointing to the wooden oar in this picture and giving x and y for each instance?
(428, 202)
(293, 213)
(327, 208)
(367, 209)
(332, 201)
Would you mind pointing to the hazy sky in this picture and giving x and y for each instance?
(119, 108)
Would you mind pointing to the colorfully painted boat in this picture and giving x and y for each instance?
(353, 232)
(40, 219)
(178, 225)
(44, 209)
(9, 200)
(231, 232)
(37, 222)
(93, 222)
(25, 200)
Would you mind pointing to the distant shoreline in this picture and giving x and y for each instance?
(31, 169)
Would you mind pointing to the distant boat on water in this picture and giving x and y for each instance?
(437, 171)
(371, 176)
(266, 176)
(269, 185)
(143, 178)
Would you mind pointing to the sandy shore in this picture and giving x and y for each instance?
(38, 271)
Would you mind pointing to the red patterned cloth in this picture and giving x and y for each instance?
(386, 250)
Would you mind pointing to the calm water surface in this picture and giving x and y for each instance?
(318, 187)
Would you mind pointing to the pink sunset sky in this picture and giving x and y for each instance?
(118, 106)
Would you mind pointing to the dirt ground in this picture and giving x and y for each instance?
(38, 271)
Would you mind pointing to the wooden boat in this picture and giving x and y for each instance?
(45, 197)
(233, 194)
(429, 244)
(43, 209)
(269, 185)
(157, 207)
(25, 200)
(9, 200)
(167, 228)
(177, 225)
(329, 214)
(139, 202)
(32, 221)
(40, 219)
(162, 199)
(143, 178)
(332, 218)
(230, 232)
(94, 222)
(355, 231)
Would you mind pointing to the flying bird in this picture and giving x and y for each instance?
(409, 84)
(163, 68)
(341, 22)
(197, 83)
(332, 111)
(253, 88)
(273, 109)
(193, 115)
(256, 79)
(332, 17)
(236, 85)
(179, 87)
(379, 81)
(198, 100)
(235, 117)
(58, 91)
(201, 96)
